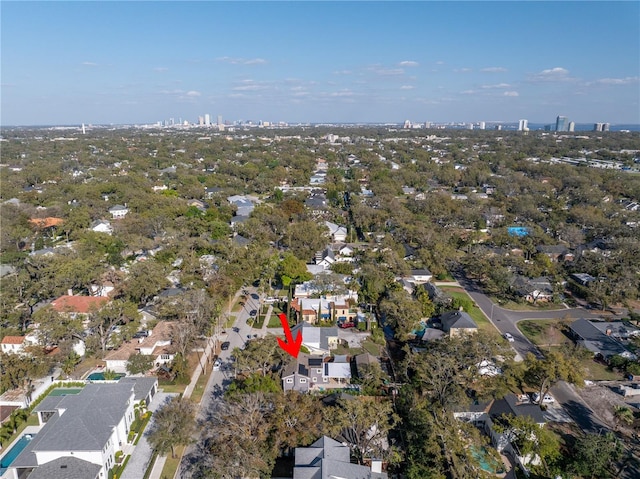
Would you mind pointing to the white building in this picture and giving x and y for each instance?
(118, 211)
(83, 431)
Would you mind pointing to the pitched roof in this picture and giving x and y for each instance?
(311, 334)
(509, 405)
(46, 222)
(457, 320)
(327, 458)
(66, 467)
(78, 304)
(595, 340)
(13, 340)
(88, 420)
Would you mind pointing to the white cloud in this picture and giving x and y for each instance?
(499, 85)
(343, 72)
(193, 93)
(160, 69)
(89, 64)
(617, 81)
(557, 74)
(493, 70)
(387, 71)
(408, 63)
(407, 87)
(242, 61)
(468, 92)
(462, 70)
(511, 93)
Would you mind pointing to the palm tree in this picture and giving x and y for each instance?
(623, 415)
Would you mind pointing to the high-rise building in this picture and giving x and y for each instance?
(601, 127)
(427, 124)
(523, 125)
(482, 125)
(562, 123)
(207, 119)
(201, 120)
(572, 126)
(219, 120)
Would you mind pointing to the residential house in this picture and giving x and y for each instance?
(17, 344)
(327, 458)
(420, 276)
(316, 372)
(485, 415)
(89, 427)
(76, 305)
(317, 340)
(325, 258)
(244, 206)
(210, 192)
(329, 308)
(601, 344)
(337, 233)
(118, 211)
(583, 279)
(44, 223)
(554, 252)
(101, 226)
(532, 289)
(456, 323)
(317, 203)
(201, 205)
(157, 345)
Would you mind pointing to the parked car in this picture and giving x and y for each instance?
(253, 312)
(346, 324)
(216, 365)
(224, 346)
(547, 399)
(509, 337)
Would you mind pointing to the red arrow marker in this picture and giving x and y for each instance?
(290, 346)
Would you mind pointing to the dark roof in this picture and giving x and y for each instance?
(457, 320)
(66, 468)
(552, 249)
(421, 272)
(595, 340)
(509, 405)
(141, 386)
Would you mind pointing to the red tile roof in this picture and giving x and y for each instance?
(46, 222)
(78, 304)
(13, 339)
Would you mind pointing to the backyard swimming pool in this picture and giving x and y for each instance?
(14, 452)
(100, 376)
(487, 463)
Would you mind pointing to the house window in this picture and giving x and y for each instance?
(289, 381)
(324, 380)
(319, 371)
(315, 380)
(303, 380)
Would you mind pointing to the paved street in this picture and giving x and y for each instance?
(237, 337)
(505, 320)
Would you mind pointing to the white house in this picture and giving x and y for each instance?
(118, 211)
(338, 233)
(17, 344)
(101, 226)
(89, 427)
(157, 345)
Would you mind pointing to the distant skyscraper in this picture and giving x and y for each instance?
(201, 120)
(562, 123)
(219, 120)
(601, 127)
(427, 124)
(572, 126)
(407, 124)
(523, 125)
(482, 125)
(207, 119)
(605, 127)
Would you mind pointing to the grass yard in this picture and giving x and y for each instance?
(171, 465)
(515, 306)
(476, 314)
(371, 347)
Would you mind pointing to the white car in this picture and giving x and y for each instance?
(547, 399)
(216, 365)
(509, 337)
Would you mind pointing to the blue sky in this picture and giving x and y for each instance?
(141, 62)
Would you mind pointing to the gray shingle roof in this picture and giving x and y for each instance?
(66, 468)
(326, 459)
(509, 405)
(595, 340)
(88, 419)
(457, 320)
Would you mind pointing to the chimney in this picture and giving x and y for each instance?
(608, 332)
(70, 292)
(376, 466)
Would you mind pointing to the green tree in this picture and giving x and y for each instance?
(174, 425)
(554, 367)
(594, 455)
(146, 279)
(139, 363)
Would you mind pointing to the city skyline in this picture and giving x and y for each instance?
(141, 62)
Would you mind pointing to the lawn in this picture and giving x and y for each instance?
(198, 390)
(476, 314)
(544, 332)
(371, 347)
(171, 465)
